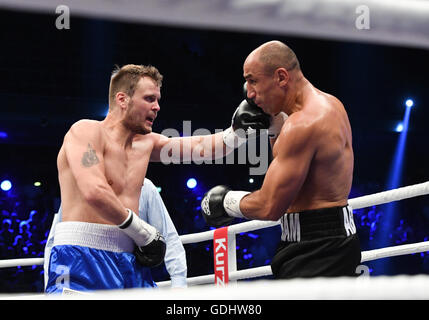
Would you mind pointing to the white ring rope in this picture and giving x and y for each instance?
(412, 191)
(266, 270)
(357, 203)
(395, 251)
(8, 263)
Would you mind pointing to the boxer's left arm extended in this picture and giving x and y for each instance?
(181, 149)
(246, 122)
(284, 178)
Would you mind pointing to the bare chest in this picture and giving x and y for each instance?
(125, 170)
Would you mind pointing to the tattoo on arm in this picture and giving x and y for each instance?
(89, 157)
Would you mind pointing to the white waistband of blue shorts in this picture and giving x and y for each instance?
(92, 235)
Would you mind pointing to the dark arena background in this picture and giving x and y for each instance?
(52, 77)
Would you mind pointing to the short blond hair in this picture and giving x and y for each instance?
(125, 79)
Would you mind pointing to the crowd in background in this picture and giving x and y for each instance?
(23, 234)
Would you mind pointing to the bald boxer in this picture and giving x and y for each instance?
(309, 179)
(101, 243)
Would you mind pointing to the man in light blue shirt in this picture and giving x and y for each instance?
(153, 211)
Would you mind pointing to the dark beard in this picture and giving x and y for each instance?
(132, 125)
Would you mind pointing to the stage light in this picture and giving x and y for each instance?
(394, 181)
(3, 135)
(37, 184)
(251, 180)
(399, 127)
(159, 189)
(6, 185)
(409, 103)
(191, 183)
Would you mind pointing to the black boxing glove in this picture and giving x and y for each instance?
(151, 255)
(246, 119)
(220, 206)
(250, 117)
(150, 245)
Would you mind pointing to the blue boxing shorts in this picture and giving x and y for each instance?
(89, 256)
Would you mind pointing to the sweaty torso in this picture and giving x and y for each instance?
(124, 171)
(329, 178)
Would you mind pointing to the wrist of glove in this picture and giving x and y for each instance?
(232, 139)
(220, 206)
(150, 244)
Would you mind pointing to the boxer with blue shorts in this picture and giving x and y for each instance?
(100, 241)
(77, 251)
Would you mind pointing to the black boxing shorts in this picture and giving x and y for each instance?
(317, 243)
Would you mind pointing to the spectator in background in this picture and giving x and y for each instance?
(24, 231)
(6, 235)
(19, 246)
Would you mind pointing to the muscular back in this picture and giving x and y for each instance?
(330, 172)
(98, 176)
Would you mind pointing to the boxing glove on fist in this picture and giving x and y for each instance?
(249, 117)
(152, 254)
(220, 206)
(150, 245)
(245, 120)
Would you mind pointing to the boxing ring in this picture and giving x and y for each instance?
(362, 287)
(398, 22)
(356, 203)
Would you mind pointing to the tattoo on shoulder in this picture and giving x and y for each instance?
(89, 157)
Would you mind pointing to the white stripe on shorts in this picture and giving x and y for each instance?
(92, 235)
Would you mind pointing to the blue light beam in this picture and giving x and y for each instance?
(395, 177)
